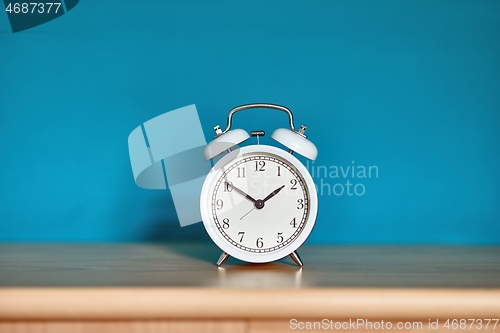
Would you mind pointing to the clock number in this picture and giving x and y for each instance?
(280, 237)
(259, 243)
(259, 166)
(300, 203)
(220, 204)
(225, 223)
(241, 233)
(293, 223)
(241, 172)
(279, 171)
(228, 187)
(294, 184)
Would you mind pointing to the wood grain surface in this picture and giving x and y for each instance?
(211, 303)
(211, 326)
(177, 287)
(192, 265)
(207, 326)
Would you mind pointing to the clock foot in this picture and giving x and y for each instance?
(295, 257)
(223, 257)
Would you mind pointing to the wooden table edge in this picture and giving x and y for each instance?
(227, 303)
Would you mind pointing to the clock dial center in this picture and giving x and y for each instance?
(259, 204)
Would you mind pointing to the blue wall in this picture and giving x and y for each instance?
(409, 87)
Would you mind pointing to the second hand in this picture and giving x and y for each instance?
(241, 218)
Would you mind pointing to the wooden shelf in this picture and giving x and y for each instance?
(157, 287)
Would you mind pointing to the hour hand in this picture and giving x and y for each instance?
(273, 193)
(241, 192)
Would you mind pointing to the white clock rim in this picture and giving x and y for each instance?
(222, 243)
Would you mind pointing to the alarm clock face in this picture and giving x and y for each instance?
(259, 203)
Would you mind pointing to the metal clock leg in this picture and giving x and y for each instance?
(295, 257)
(223, 257)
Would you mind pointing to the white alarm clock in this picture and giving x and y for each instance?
(259, 202)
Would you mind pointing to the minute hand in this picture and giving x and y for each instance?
(242, 193)
(273, 193)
